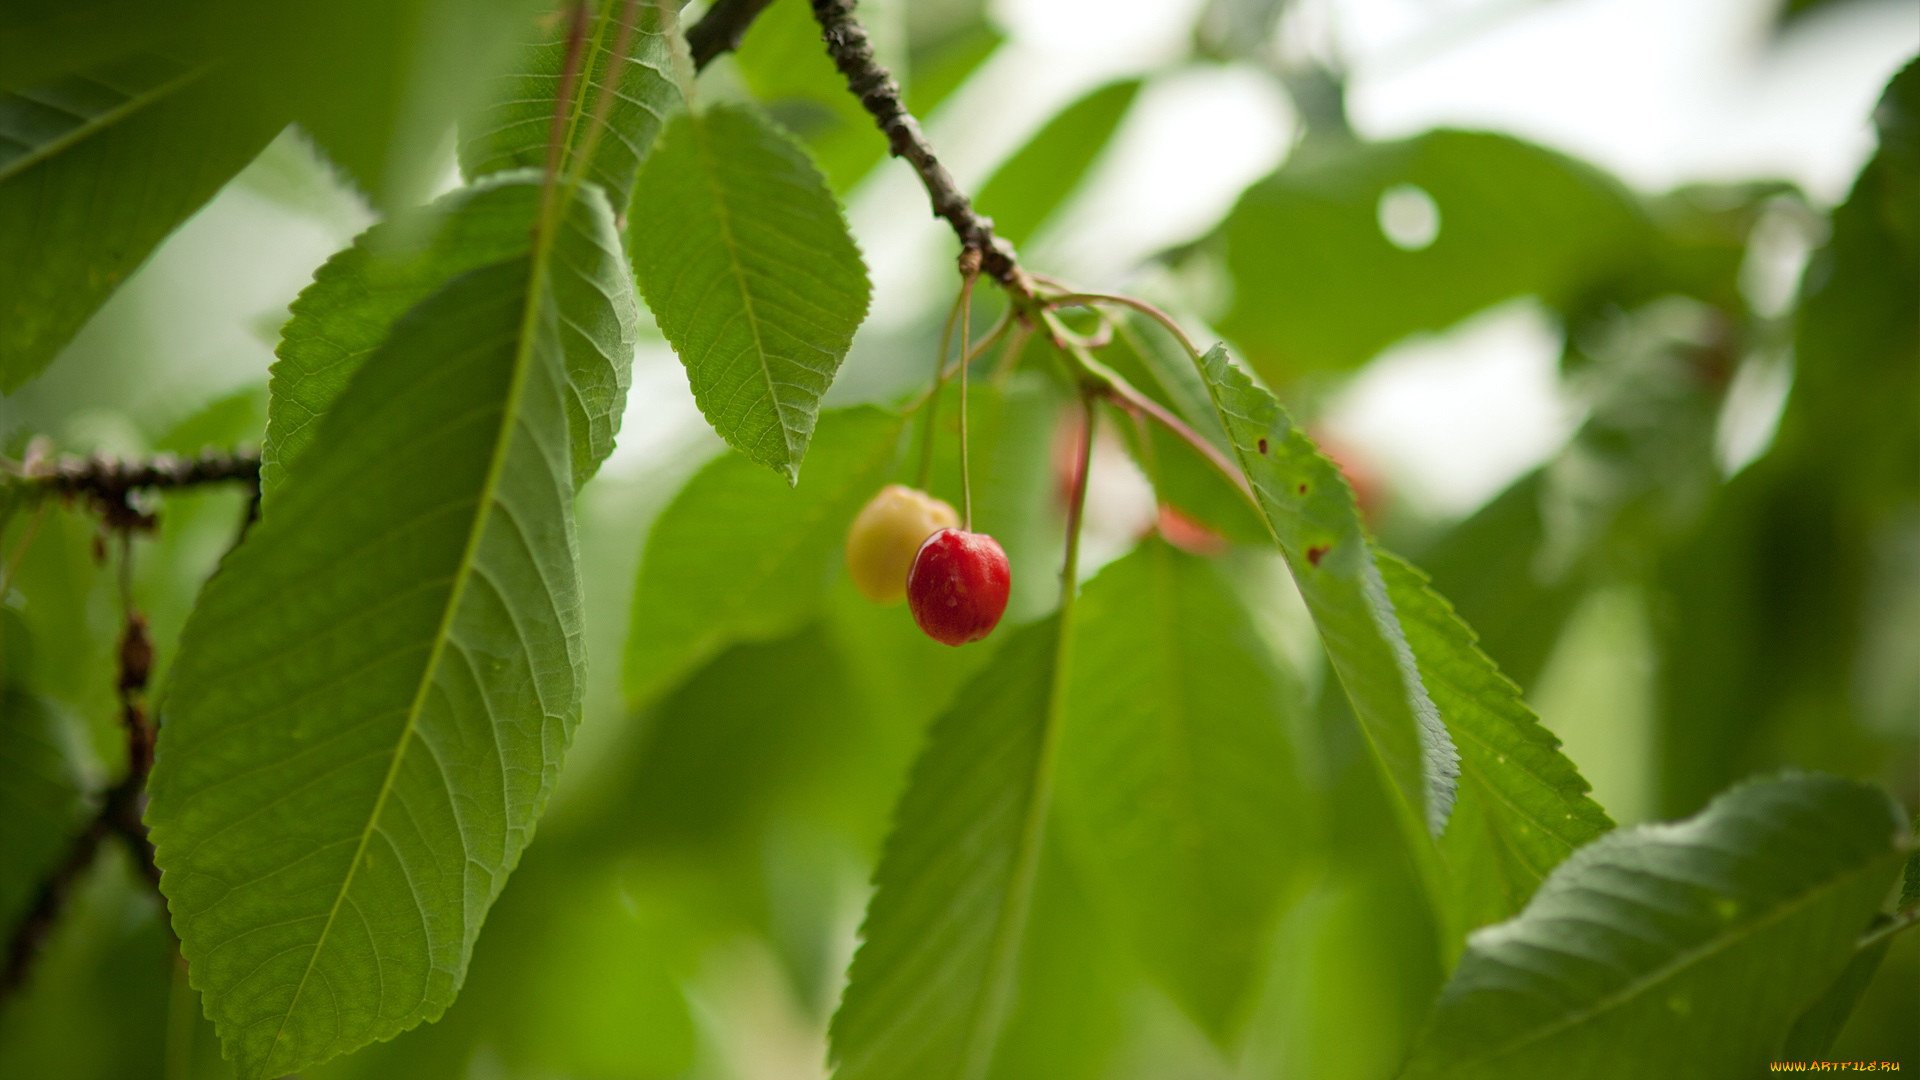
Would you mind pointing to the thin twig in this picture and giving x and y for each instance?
(722, 29)
(869, 81)
(109, 480)
(120, 811)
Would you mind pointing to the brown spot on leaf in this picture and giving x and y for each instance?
(1303, 487)
(1262, 444)
(1318, 552)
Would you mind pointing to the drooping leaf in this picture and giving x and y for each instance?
(1178, 783)
(41, 800)
(1657, 950)
(1318, 284)
(931, 986)
(1026, 190)
(744, 257)
(1523, 806)
(740, 556)
(373, 695)
(355, 299)
(511, 132)
(1311, 513)
(96, 168)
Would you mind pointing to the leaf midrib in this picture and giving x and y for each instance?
(1409, 679)
(723, 217)
(509, 420)
(1009, 924)
(94, 125)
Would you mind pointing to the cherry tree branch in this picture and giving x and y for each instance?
(877, 90)
(120, 810)
(109, 480)
(722, 29)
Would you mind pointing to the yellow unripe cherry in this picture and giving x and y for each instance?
(885, 536)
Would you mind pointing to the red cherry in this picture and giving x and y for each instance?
(958, 586)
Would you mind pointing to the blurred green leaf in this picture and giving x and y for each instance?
(41, 799)
(1659, 950)
(358, 296)
(1314, 521)
(1859, 328)
(1178, 785)
(744, 257)
(1033, 183)
(1319, 285)
(373, 694)
(739, 556)
(1489, 567)
(1813, 1033)
(96, 168)
(929, 991)
(1767, 605)
(511, 131)
(1523, 806)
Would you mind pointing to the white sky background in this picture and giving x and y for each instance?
(1660, 92)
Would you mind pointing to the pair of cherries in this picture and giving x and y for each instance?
(906, 543)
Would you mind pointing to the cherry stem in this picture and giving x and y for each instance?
(966, 476)
(1089, 299)
(933, 394)
(608, 90)
(558, 128)
(1076, 509)
(1100, 379)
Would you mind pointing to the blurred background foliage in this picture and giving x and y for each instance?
(1669, 395)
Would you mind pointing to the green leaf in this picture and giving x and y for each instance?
(359, 294)
(1814, 1031)
(744, 257)
(740, 556)
(374, 692)
(931, 986)
(96, 168)
(1659, 950)
(1026, 190)
(41, 800)
(1523, 807)
(1311, 513)
(1513, 219)
(511, 132)
(1178, 783)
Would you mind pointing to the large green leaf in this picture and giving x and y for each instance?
(1026, 190)
(1523, 807)
(1311, 514)
(1178, 783)
(512, 130)
(740, 556)
(96, 168)
(744, 257)
(1318, 284)
(931, 986)
(355, 299)
(1660, 950)
(373, 695)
